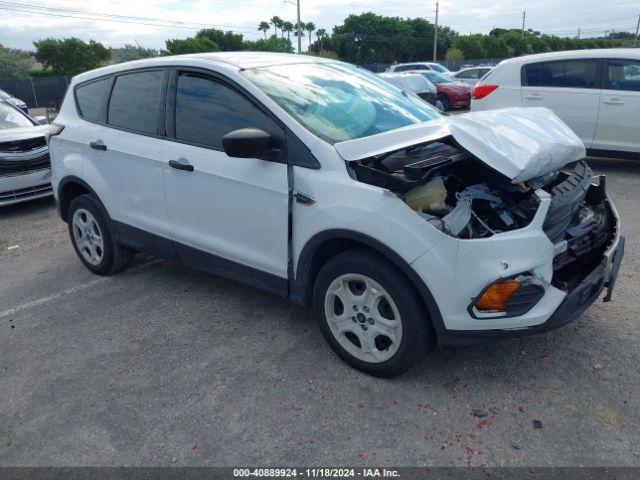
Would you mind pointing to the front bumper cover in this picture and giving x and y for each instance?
(574, 304)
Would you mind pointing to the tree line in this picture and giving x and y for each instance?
(370, 38)
(363, 39)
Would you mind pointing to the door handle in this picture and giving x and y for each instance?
(534, 96)
(181, 164)
(614, 101)
(98, 145)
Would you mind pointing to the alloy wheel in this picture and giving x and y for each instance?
(87, 236)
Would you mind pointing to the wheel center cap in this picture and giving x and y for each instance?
(361, 318)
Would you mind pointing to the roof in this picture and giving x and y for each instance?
(570, 54)
(239, 60)
(245, 60)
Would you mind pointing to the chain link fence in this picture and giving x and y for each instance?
(37, 92)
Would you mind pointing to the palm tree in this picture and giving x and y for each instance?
(300, 26)
(277, 23)
(264, 27)
(310, 27)
(320, 33)
(287, 27)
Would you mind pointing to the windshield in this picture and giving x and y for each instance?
(436, 78)
(439, 68)
(12, 118)
(339, 102)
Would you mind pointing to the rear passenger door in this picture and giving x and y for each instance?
(125, 166)
(571, 88)
(228, 215)
(619, 107)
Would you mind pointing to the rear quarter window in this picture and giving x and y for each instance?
(90, 97)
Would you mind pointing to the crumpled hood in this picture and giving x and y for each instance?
(521, 143)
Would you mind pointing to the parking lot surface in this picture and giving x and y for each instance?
(165, 365)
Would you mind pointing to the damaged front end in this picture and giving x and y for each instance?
(528, 238)
(460, 195)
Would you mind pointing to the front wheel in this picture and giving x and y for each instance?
(370, 314)
(444, 102)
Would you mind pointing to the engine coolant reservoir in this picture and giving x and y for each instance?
(429, 197)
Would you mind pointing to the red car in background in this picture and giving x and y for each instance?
(450, 93)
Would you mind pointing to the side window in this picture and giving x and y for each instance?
(206, 110)
(90, 97)
(403, 68)
(134, 101)
(623, 75)
(570, 73)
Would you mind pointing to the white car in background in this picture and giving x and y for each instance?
(428, 66)
(414, 83)
(25, 169)
(596, 92)
(470, 76)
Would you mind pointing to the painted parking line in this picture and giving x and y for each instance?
(69, 291)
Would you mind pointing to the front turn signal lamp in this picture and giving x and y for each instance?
(496, 297)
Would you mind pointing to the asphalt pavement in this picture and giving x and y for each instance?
(166, 365)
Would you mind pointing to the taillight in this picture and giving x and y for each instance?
(53, 129)
(481, 91)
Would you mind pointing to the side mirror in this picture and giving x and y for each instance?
(41, 120)
(247, 143)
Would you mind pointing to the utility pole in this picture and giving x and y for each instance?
(298, 25)
(635, 41)
(578, 33)
(299, 28)
(435, 33)
(524, 17)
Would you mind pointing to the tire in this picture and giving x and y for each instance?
(396, 330)
(93, 237)
(446, 104)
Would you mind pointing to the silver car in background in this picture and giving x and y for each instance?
(414, 83)
(14, 101)
(25, 168)
(471, 75)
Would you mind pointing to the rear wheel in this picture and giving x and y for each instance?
(93, 237)
(370, 314)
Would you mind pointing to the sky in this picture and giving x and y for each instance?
(149, 23)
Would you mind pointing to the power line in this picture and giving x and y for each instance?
(87, 15)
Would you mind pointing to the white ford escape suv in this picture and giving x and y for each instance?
(318, 181)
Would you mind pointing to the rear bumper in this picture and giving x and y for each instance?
(459, 101)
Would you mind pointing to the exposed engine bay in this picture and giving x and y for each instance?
(465, 198)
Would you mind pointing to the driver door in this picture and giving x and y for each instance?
(227, 215)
